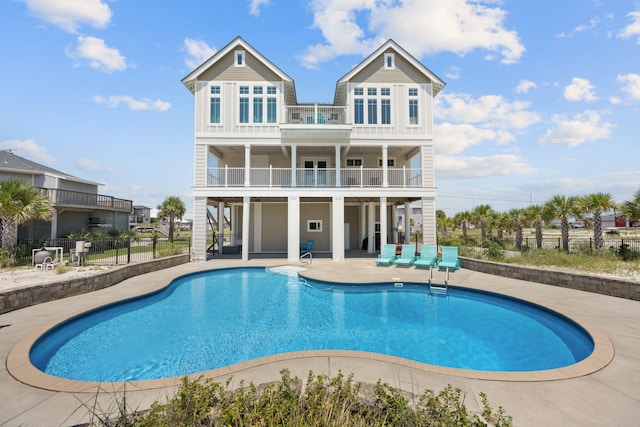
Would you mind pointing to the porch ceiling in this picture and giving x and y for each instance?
(234, 151)
(213, 201)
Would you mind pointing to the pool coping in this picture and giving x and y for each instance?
(19, 365)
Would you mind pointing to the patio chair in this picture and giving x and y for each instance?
(47, 264)
(428, 257)
(387, 255)
(306, 247)
(407, 256)
(449, 259)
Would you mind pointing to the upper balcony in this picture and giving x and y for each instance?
(317, 177)
(80, 199)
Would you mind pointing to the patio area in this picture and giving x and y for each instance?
(610, 395)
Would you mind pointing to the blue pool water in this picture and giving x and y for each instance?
(218, 318)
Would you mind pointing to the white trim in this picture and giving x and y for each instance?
(389, 61)
(314, 226)
(239, 58)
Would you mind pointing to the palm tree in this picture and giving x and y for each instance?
(631, 208)
(172, 208)
(20, 202)
(535, 213)
(463, 219)
(596, 204)
(562, 208)
(481, 215)
(518, 219)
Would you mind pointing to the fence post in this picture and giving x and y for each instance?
(117, 248)
(128, 249)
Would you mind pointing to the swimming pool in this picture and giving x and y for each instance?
(212, 319)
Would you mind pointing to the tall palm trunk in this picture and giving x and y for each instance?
(539, 234)
(519, 236)
(597, 230)
(564, 229)
(9, 234)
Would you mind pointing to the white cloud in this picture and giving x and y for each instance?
(132, 103)
(633, 29)
(524, 86)
(490, 111)
(70, 14)
(99, 56)
(580, 90)
(614, 100)
(455, 138)
(476, 167)
(254, 6)
(630, 84)
(453, 73)
(577, 130)
(198, 51)
(28, 149)
(88, 164)
(593, 22)
(420, 26)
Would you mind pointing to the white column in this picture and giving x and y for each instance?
(293, 230)
(363, 223)
(220, 226)
(371, 247)
(394, 220)
(54, 224)
(407, 222)
(199, 231)
(293, 166)
(233, 225)
(385, 169)
(247, 165)
(383, 221)
(337, 228)
(257, 227)
(338, 162)
(246, 206)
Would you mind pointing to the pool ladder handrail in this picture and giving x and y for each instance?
(310, 258)
(437, 288)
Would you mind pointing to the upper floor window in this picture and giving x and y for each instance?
(378, 102)
(238, 58)
(413, 106)
(214, 105)
(353, 162)
(389, 61)
(252, 103)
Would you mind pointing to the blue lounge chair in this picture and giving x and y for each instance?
(388, 254)
(306, 247)
(407, 256)
(449, 259)
(428, 257)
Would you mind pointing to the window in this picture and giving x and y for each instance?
(413, 106)
(358, 91)
(389, 61)
(271, 110)
(214, 107)
(257, 108)
(239, 58)
(372, 111)
(314, 225)
(353, 162)
(378, 105)
(244, 110)
(358, 111)
(391, 162)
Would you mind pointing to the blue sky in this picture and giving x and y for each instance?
(542, 97)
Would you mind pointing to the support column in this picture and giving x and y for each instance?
(293, 229)
(429, 234)
(338, 162)
(385, 168)
(383, 221)
(293, 166)
(220, 227)
(247, 165)
(337, 228)
(246, 206)
(54, 224)
(233, 225)
(199, 231)
(407, 223)
(394, 219)
(257, 227)
(371, 247)
(363, 223)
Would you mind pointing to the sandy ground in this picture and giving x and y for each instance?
(28, 276)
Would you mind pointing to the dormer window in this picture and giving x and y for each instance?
(389, 61)
(239, 58)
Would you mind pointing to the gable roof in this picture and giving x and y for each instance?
(436, 81)
(191, 78)
(9, 162)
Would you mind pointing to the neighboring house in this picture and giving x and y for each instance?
(415, 219)
(273, 173)
(139, 215)
(76, 202)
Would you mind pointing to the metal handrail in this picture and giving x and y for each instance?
(310, 257)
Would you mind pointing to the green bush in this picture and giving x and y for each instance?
(319, 401)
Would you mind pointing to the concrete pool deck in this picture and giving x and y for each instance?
(608, 396)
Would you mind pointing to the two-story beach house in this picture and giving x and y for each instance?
(272, 173)
(76, 204)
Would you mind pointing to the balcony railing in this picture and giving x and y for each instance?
(78, 198)
(282, 177)
(316, 114)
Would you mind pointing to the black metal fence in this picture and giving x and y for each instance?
(109, 251)
(576, 244)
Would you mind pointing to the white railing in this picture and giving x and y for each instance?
(316, 177)
(316, 114)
